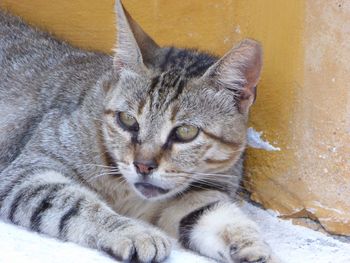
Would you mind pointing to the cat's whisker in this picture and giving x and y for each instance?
(210, 182)
(205, 176)
(209, 174)
(203, 180)
(101, 175)
(215, 174)
(99, 165)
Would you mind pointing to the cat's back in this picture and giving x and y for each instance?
(31, 60)
(25, 51)
(37, 74)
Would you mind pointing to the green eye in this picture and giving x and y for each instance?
(186, 133)
(127, 121)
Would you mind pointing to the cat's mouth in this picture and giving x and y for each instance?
(149, 190)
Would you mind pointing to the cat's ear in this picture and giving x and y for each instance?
(134, 48)
(239, 71)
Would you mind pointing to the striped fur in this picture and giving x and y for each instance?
(66, 166)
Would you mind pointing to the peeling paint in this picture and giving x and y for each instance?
(255, 141)
(238, 29)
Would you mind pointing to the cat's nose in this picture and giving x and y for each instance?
(145, 167)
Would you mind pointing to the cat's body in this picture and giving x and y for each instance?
(61, 155)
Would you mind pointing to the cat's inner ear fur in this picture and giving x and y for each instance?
(239, 71)
(134, 48)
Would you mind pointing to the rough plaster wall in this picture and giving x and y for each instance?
(317, 184)
(324, 118)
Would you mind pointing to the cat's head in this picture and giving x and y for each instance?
(175, 116)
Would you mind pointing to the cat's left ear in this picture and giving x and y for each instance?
(239, 70)
(134, 49)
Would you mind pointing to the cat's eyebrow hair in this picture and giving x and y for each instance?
(222, 140)
(174, 111)
(141, 106)
(109, 112)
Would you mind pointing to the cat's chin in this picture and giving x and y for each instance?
(150, 191)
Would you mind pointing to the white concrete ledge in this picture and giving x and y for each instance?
(294, 244)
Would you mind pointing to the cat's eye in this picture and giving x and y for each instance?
(127, 121)
(186, 133)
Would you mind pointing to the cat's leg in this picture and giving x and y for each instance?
(47, 202)
(207, 222)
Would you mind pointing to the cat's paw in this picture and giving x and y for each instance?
(242, 245)
(250, 252)
(227, 235)
(138, 243)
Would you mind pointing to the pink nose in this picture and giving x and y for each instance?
(145, 167)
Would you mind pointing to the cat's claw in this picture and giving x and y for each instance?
(257, 252)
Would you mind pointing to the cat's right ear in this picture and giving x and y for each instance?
(238, 71)
(134, 49)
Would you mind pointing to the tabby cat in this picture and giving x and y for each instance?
(112, 153)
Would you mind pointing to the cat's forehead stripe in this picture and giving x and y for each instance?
(190, 62)
(173, 73)
(165, 89)
(152, 87)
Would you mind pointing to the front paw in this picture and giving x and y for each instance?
(136, 242)
(227, 235)
(243, 245)
(249, 252)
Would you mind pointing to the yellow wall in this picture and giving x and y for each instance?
(287, 108)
